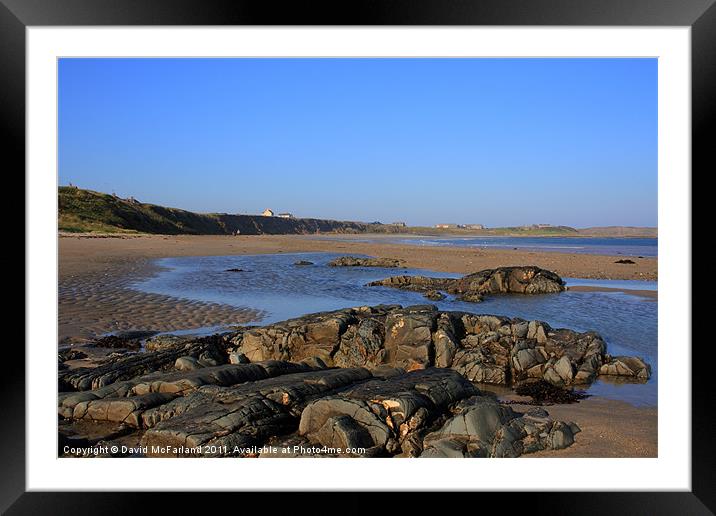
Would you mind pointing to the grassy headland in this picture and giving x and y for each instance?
(86, 211)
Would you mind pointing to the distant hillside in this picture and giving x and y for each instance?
(88, 211)
(620, 231)
(468, 232)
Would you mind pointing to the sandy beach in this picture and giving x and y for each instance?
(79, 254)
(95, 275)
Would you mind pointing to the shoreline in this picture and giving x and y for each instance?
(461, 260)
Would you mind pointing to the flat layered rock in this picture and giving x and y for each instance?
(210, 349)
(229, 421)
(473, 287)
(352, 261)
(140, 390)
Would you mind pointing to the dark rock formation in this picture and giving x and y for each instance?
(112, 369)
(403, 387)
(385, 416)
(483, 348)
(303, 262)
(352, 261)
(234, 270)
(511, 280)
(503, 280)
(231, 410)
(627, 262)
(233, 419)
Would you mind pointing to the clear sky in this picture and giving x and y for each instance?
(491, 141)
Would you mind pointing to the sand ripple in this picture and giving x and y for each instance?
(102, 301)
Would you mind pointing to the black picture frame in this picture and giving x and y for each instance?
(700, 15)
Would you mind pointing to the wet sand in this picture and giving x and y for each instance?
(609, 429)
(94, 298)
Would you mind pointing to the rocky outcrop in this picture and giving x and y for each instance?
(473, 287)
(233, 410)
(404, 386)
(483, 348)
(352, 261)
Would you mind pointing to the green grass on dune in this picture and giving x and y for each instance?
(88, 211)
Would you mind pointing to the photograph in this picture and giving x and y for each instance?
(357, 257)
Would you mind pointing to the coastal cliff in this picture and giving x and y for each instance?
(83, 211)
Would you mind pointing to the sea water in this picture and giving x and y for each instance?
(633, 247)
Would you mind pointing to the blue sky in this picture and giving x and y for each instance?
(493, 141)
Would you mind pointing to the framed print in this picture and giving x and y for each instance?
(283, 249)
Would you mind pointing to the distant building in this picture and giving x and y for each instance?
(445, 226)
(401, 224)
(267, 213)
(286, 215)
(475, 226)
